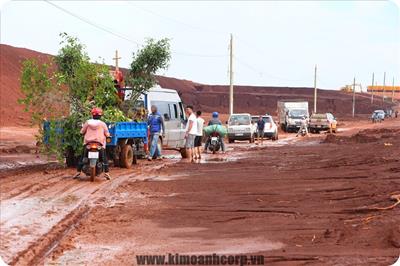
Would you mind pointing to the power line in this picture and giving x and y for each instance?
(261, 73)
(96, 25)
(112, 32)
(178, 21)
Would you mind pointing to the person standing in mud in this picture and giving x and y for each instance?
(156, 124)
(303, 125)
(260, 130)
(191, 131)
(199, 136)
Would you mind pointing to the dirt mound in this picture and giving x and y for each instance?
(11, 59)
(208, 98)
(364, 136)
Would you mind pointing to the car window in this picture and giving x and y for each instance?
(318, 116)
(173, 111)
(267, 119)
(238, 120)
(297, 113)
(162, 108)
(181, 113)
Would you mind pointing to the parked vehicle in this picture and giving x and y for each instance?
(270, 128)
(240, 127)
(170, 106)
(322, 122)
(290, 114)
(378, 116)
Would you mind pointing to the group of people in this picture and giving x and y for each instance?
(95, 130)
(193, 133)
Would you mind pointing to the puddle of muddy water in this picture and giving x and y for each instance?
(218, 159)
(182, 240)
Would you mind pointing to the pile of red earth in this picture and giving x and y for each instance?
(384, 135)
(208, 98)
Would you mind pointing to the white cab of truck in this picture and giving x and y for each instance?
(240, 127)
(290, 114)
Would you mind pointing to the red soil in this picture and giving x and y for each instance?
(209, 98)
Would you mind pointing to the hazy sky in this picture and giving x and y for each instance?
(275, 42)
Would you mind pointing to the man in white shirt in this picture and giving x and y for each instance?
(191, 131)
(199, 136)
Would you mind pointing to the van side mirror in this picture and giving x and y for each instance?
(166, 117)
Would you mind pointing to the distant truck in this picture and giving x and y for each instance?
(290, 114)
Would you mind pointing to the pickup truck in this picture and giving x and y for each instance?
(322, 122)
(128, 141)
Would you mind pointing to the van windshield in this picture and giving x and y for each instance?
(297, 113)
(238, 120)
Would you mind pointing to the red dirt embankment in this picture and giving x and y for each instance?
(11, 58)
(209, 98)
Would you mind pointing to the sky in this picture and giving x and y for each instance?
(275, 43)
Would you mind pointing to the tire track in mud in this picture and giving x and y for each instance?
(39, 215)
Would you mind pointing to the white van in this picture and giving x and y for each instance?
(170, 106)
(240, 127)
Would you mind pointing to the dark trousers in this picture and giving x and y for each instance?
(102, 157)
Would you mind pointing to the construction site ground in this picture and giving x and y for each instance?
(318, 200)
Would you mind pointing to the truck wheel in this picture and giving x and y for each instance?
(183, 153)
(127, 156)
(231, 140)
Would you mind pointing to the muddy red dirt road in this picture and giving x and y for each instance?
(297, 201)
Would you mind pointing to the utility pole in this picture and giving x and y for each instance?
(372, 88)
(116, 58)
(383, 88)
(315, 89)
(354, 95)
(393, 90)
(231, 75)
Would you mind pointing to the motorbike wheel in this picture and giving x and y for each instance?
(92, 173)
(213, 149)
(127, 156)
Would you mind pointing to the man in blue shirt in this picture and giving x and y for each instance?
(260, 130)
(155, 123)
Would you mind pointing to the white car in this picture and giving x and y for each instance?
(240, 127)
(270, 128)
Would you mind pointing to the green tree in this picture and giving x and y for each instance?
(152, 57)
(64, 94)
